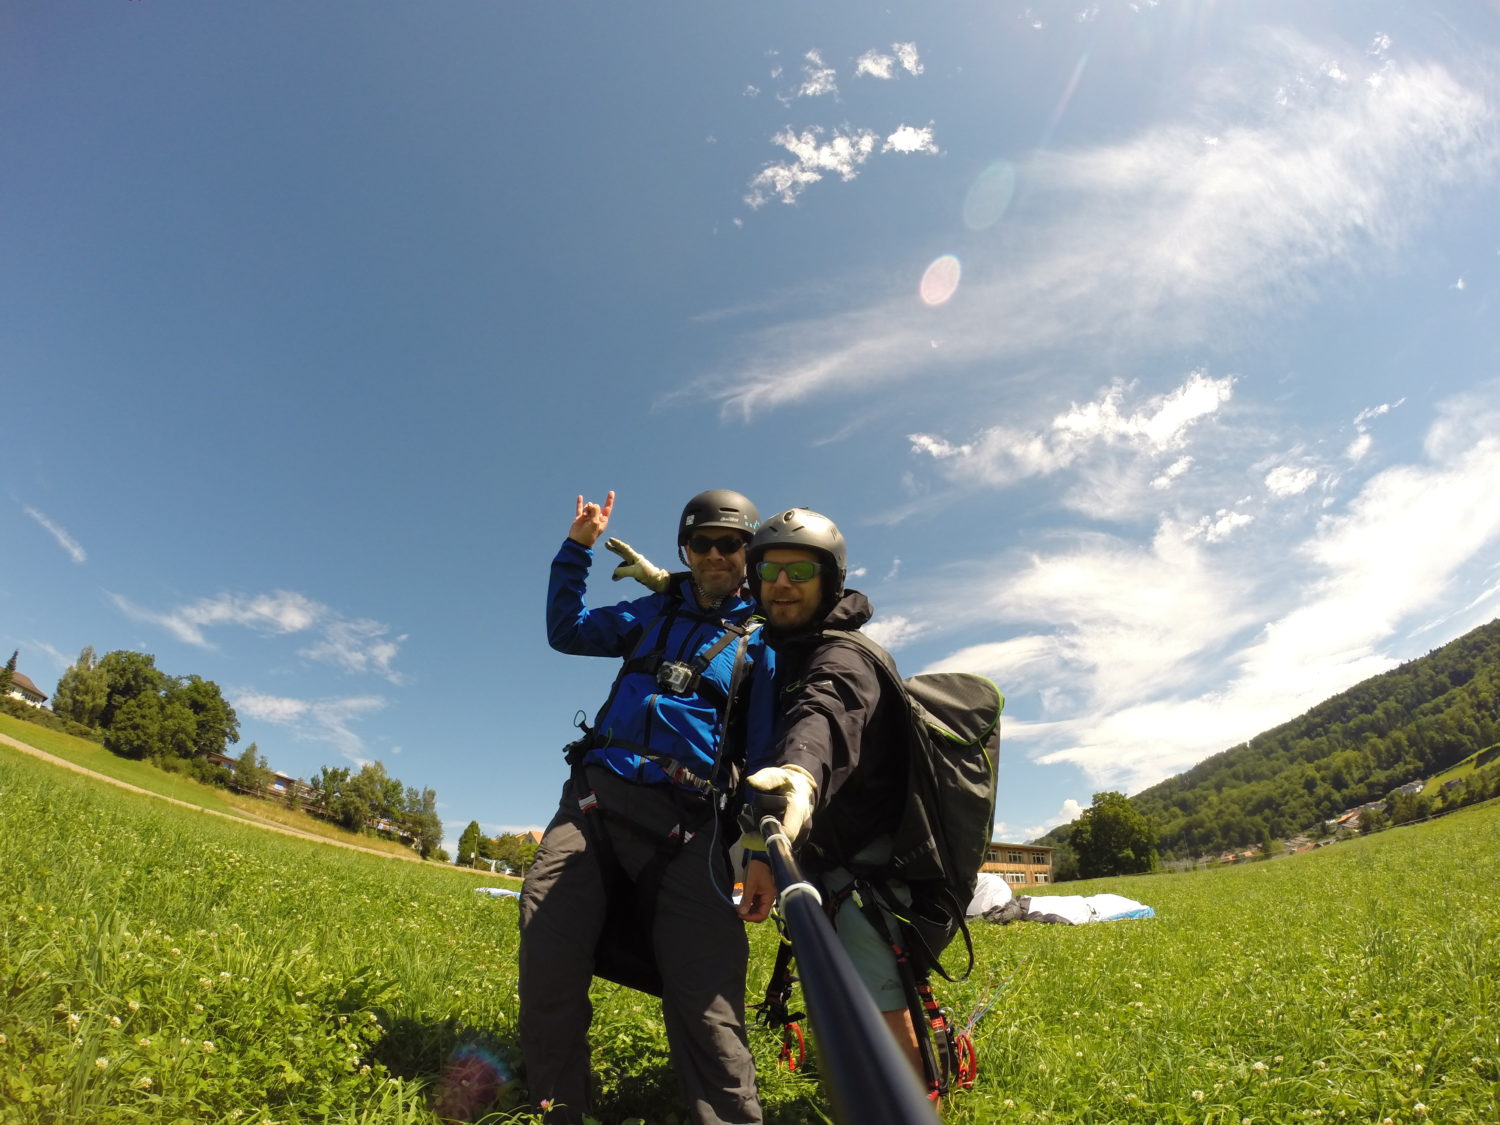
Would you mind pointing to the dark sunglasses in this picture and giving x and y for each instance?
(800, 571)
(727, 544)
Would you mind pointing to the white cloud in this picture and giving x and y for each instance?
(1220, 526)
(1005, 454)
(908, 138)
(64, 540)
(1171, 473)
(313, 720)
(842, 155)
(1157, 242)
(875, 64)
(817, 80)
(1287, 480)
(892, 632)
(1148, 659)
(359, 645)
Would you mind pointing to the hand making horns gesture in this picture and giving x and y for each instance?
(591, 519)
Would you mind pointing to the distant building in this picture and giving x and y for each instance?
(27, 692)
(1018, 863)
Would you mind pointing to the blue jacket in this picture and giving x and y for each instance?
(638, 713)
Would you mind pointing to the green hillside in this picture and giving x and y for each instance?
(1404, 725)
(160, 965)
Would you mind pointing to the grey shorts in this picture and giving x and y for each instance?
(871, 953)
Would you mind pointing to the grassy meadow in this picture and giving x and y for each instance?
(146, 775)
(158, 965)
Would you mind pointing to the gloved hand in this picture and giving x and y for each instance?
(785, 792)
(637, 566)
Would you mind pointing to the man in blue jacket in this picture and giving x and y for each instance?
(631, 880)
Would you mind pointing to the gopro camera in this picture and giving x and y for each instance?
(674, 676)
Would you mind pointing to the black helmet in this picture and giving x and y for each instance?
(718, 507)
(808, 531)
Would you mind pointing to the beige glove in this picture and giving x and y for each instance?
(637, 566)
(785, 792)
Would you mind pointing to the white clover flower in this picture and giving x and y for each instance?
(143, 1042)
(143, 1082)
(208, 1047)
(226, 976)
(1198, 1095)
(134, 1005)
(114, 1021)
(1259, 1067)
(74, 1019)
(1419, 1109)
(101, 1062)
(1416, 1068)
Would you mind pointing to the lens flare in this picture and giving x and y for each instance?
(989, 195)
(472, 1083)
(940, 280)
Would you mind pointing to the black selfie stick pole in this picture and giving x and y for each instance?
(868, 1077)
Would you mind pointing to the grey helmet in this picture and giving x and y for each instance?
(718, 507)
(805, 530)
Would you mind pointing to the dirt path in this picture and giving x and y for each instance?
(254, 822)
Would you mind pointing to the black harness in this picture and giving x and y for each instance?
(625, 952)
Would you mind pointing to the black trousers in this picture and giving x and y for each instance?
(700, 947)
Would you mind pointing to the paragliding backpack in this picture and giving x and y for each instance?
(953, 745)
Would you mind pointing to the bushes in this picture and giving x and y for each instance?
(45, 718)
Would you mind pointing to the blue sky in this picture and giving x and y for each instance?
(1147, 353)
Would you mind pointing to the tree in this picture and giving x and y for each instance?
(128, 675)
(215, 725)
(1112, 837)
(135, 729)
(252, 771)
(1371, 820)
(468, 844)
(423, 822)
(8, 673)
(82, 691)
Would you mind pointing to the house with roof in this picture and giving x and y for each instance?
(23, 689)
(1018, 863)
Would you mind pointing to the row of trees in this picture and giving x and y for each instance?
(182, 722)
(512, 854)
(370, 797)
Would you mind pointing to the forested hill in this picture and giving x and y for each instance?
(1400, 726)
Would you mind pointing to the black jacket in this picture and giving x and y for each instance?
(836, 719)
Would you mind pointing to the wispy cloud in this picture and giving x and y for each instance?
(1152, 242)
(1147, 658)
(313, 720)
(358, 645)
(64, 540)
(1004, 454)
(878, 64)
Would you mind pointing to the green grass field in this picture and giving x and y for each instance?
(163, 966)
(145, 775)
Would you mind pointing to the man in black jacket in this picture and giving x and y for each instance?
(839, 761)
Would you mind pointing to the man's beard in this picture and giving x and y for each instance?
(715, 586)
